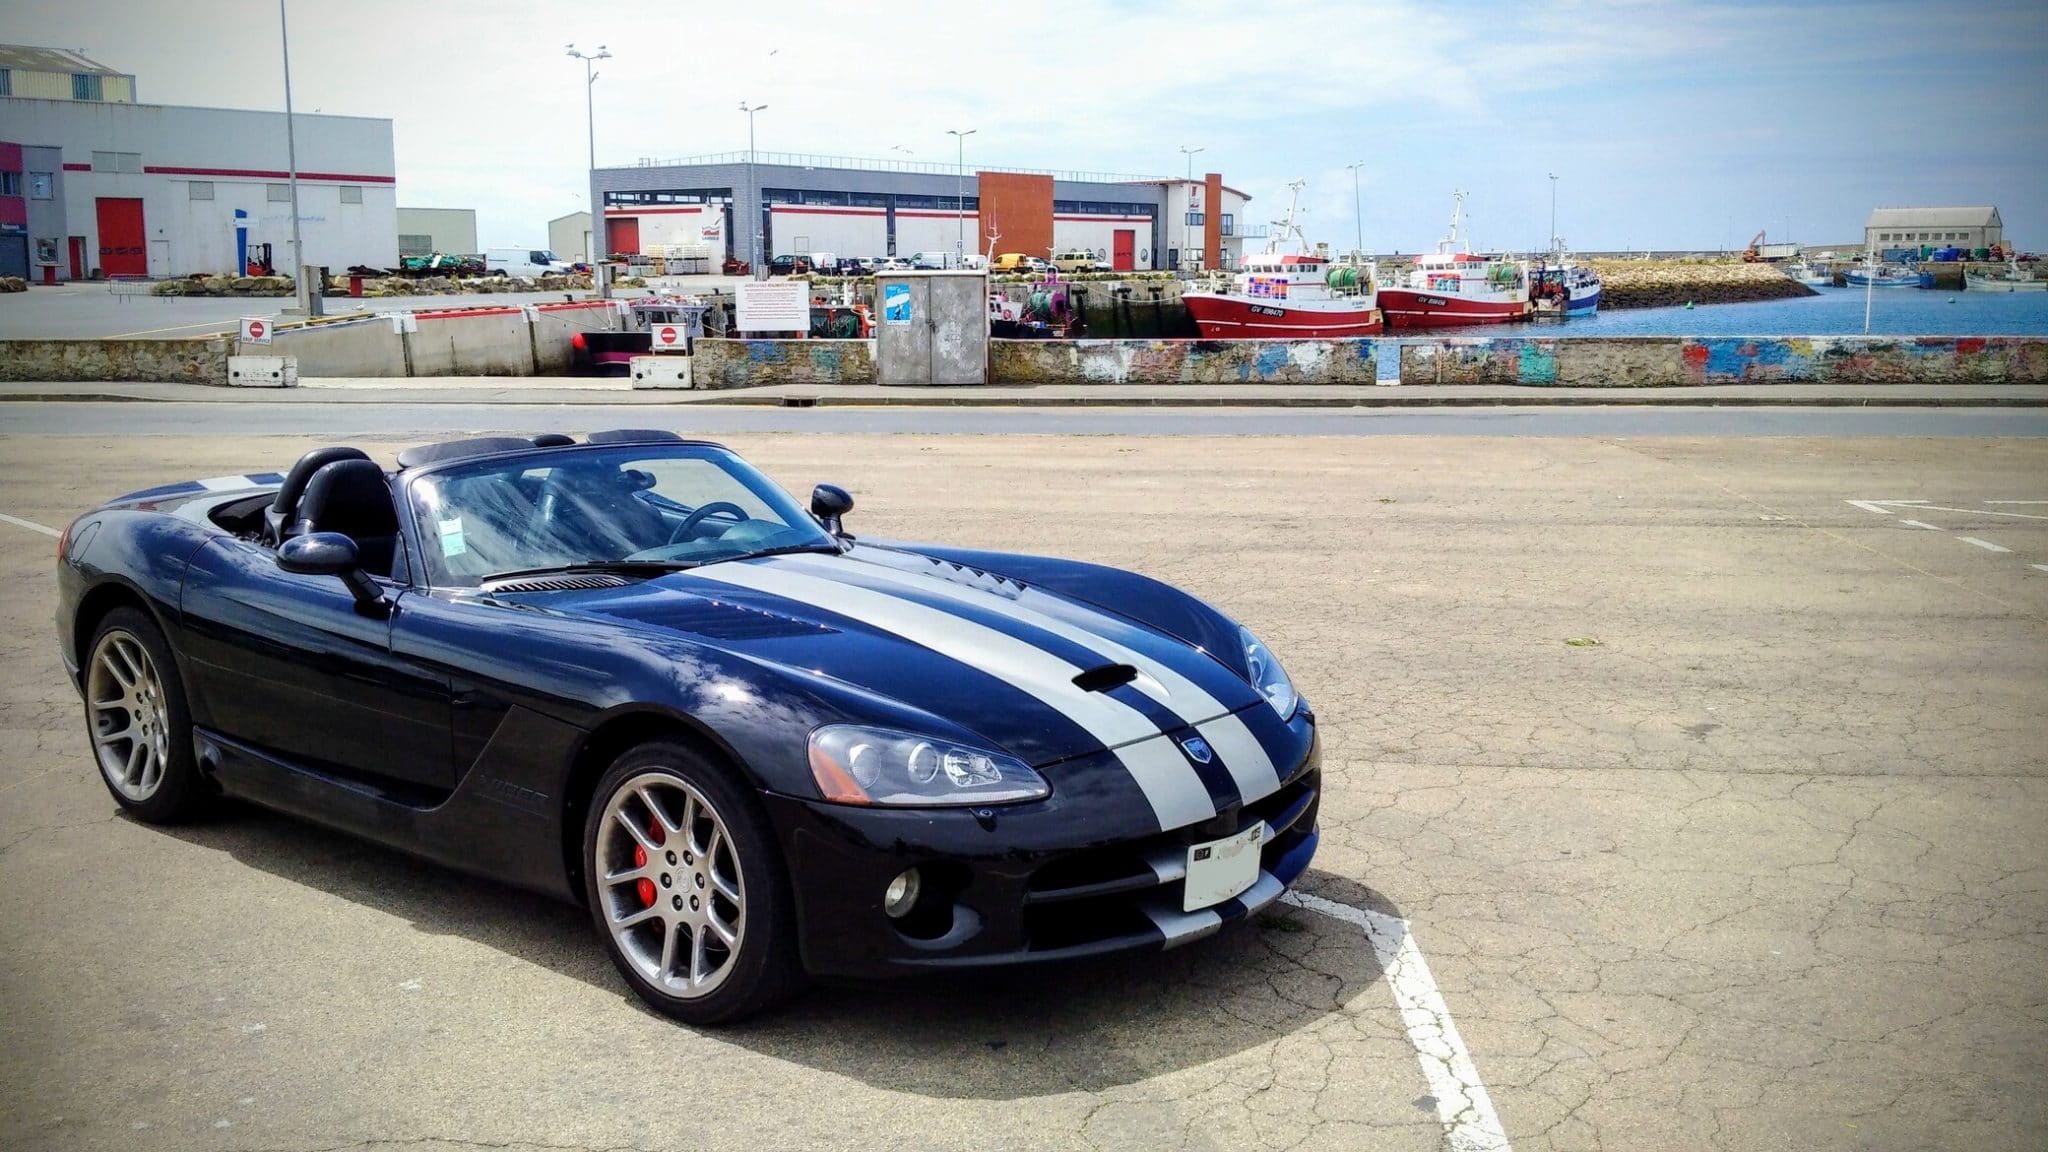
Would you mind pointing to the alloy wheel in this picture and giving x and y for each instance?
(131, 727)
(669, 885)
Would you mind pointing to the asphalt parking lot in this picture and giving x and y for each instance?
(1681, 793)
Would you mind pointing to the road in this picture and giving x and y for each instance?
(344, 420)
(1694, 784)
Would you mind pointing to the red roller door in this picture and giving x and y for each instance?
(622, 235)
(122, 251)
(1123, 257)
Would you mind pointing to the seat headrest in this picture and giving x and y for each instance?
(352, 497)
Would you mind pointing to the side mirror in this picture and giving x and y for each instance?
(829, 502)
(331, 554)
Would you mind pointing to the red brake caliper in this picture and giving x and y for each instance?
(645, 887)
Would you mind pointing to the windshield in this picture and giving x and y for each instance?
(668, 503)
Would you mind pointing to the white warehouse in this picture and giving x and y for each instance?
(140, 190)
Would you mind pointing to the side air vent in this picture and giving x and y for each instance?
(1105, 677)
(564, 583)
(722, 621)
(975, 578)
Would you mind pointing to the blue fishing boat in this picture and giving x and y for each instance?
(1888, 276)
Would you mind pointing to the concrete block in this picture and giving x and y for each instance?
(1182, 362)
(750, 363)
(660, 371)
(263, 372)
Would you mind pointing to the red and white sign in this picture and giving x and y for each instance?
(255, 330)
(670, 338)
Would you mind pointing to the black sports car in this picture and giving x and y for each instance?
(631, 671)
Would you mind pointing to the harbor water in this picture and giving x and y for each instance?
(1832, 312)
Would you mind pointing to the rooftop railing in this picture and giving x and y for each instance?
(866, 164)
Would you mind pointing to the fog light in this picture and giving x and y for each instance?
(901, 895)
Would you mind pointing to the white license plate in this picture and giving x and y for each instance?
(1221, 869)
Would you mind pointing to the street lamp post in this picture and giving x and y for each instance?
(590, 175)
(308, 298)
(1187, 207)
(1357, 208)
(754, 209)
(959, 188)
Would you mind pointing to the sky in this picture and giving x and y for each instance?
(1670, 124)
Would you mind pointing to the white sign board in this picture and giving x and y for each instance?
(669, 338)
(774, 306)
(255, 330)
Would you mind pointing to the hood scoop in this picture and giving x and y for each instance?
(1105, 677)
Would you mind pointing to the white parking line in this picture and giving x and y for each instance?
(1871, 506)
(1470, 1124)
(31, 525)
(1919, 524)
(1986, 545)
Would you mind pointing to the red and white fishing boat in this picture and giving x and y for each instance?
(1297, 296)
(1452, 286)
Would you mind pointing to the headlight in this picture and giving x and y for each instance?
(857, 765)
(1267, 676)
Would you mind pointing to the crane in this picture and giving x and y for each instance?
(1754, 252)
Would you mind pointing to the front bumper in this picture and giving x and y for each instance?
(1024, 884)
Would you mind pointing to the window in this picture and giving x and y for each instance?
(1229, 225)
(199, 190)
(1194, 218)
(117, 161)
(85, 86)
(6, 82)
(39, 184)
(278, 193)
(10, 183)
(351, 193)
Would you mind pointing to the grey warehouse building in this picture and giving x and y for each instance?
(713, 207)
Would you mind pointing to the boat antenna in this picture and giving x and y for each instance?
(1448, 244)
(1288, 225)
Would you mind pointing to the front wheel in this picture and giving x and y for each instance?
(141, 730)
(687, 889)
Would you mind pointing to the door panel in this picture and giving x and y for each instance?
(959, 307)
(1124, 254)
(622, 235)
(123, 251)
(904, 351)
(78, 257)
(287, 664)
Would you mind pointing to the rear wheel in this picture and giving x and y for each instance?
(135, 714)
(686, 887)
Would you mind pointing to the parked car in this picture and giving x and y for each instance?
(931, 261)
(789, 266)
(1037, 264)
(529, 263)
(1009, 262)
(1079, 260)
(856, 266)
(892, 264)
(633, 673)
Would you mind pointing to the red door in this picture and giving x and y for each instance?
(622, 235)
(122, 252)
(1123, 256)
(78, 257)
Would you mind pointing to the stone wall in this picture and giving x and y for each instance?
(751, 363)
(1181, 362)
(1651, 361)
(1669, 283)
(202, 361)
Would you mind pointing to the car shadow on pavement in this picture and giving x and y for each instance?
(1084, 1026)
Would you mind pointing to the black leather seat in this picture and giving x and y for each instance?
(352, 497)
(283, 510)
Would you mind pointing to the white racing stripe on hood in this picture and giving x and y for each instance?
(1249, 766)
(1176, 794)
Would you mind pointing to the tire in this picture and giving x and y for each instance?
(148, 763)
(692, 902)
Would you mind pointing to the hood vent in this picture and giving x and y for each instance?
(720, 620)
(1105, 677)
(566, 583)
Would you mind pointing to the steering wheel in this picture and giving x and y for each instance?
(690, 522)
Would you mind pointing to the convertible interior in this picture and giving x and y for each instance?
(520, 514)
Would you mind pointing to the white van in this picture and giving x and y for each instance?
(527, 262)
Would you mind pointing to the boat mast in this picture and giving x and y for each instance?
(1448, 244)
(1288, 226)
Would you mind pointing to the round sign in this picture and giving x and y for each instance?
(667, 334)
(255, 329)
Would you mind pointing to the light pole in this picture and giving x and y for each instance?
(1553, 213)
(308, 299)
(754, 209)
(590, 175)
(959, 188)
(1357, 208)
(1187, 207)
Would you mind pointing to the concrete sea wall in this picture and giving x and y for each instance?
(748, 363)
(202, 361)
(1662, 361)
(1182, 362)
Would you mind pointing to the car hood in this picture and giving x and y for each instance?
(994, 656)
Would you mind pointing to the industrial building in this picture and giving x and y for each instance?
(107, 187)
(1891, 228)
(714, 206)
(569, 237)
(425, 231)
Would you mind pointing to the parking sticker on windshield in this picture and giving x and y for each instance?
(452, 543)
